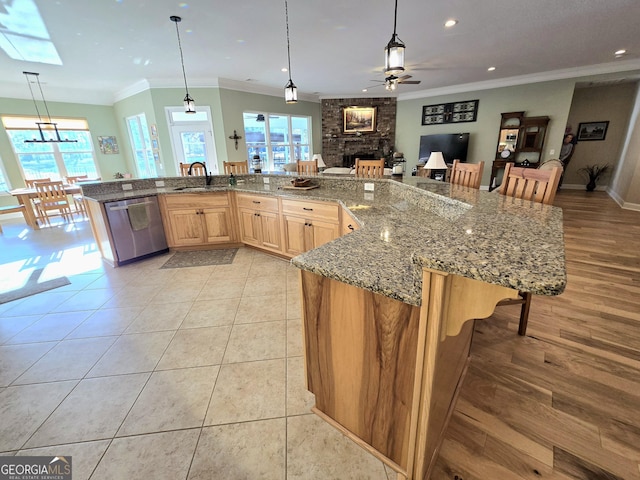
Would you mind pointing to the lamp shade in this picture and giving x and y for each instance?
(435, 162)
(318, 158)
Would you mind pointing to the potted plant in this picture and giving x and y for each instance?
(592, 173)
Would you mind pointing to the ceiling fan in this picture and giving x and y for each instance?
(391, 82)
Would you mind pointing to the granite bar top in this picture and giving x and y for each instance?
(408, 225)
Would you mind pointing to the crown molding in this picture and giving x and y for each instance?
(564, 74)
(228, 84)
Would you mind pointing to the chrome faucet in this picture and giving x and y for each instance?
(207, 176)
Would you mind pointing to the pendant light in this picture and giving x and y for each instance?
(394, 51)
(189, 104)
(52, 127)
(290, 90)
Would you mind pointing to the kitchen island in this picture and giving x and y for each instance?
(388, 309)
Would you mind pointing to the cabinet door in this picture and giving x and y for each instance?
(217, 225)
(322, 232)
(186, 227)
(347, 223)
(249, 227)
(270, 230)
(295, 235)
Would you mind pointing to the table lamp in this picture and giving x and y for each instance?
(318, 158)
(436, 162)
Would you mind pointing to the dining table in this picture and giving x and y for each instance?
(25, 196)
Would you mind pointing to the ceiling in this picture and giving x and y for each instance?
(111, 48)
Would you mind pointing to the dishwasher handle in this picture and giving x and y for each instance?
(126, 207)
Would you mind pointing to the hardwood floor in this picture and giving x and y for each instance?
(564, 401)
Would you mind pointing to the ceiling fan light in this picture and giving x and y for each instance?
(290, 92)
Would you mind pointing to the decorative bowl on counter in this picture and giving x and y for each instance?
(301, 182)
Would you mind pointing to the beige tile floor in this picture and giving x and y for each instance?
(142, 372)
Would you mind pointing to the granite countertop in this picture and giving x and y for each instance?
(413, 224)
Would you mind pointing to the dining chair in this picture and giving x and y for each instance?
(52, 198)
(78, 198)
(235, 167)
(538, 185)
(307, 167)
(370, 168)
(197, 170)
(466, 174)
(535, 184)
(31, 182)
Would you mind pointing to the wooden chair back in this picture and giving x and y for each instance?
(197, 170)
(466, 174)
(235, 167)
(307, 167)
(370, 168)
(52, 197)
(75, 179)
(530, 184)
(31, 183)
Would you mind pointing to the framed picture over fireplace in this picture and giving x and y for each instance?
(359, 120)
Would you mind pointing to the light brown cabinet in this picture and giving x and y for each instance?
(308, 225)
(195, 220)
(259, 220)
(348, 224)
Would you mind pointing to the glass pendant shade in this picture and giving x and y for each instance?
(189, 104)
(394, 56)
(290, 92)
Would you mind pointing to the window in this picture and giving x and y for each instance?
(53, 160)
(141, 145)
(288, 138)
(4, 185)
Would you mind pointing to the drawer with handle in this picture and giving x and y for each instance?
(257, 202)
(329, 212)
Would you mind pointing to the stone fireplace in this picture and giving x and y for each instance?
(340, 149)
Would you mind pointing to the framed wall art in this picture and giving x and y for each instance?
(359, 119)
(455, 112)
(592, 131)
(108, 145)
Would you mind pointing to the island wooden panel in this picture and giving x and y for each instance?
(361, 352)
(387, 373)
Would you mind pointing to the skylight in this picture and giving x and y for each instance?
(23, 34)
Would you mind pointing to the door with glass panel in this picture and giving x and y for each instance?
(192, 137)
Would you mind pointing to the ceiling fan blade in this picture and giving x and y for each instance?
(410, 82)
(403, 78)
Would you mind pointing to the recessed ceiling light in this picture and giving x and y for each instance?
(491, 69)
(364, 90)
(450, 23)
(284, 69)
(620, 52)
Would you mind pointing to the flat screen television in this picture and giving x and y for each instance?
(452, 145)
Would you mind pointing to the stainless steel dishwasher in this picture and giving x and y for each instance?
(136, 228)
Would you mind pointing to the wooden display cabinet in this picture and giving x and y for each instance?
(520, 140)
